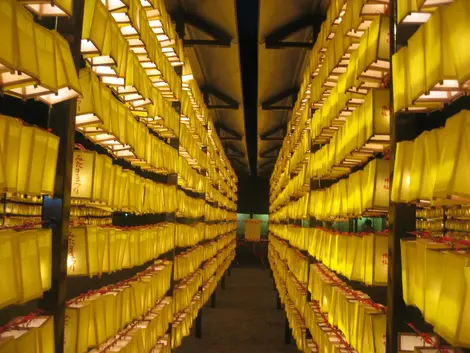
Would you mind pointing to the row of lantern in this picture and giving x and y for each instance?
(28, 334)
(213, 264)
(181, 326)
(26, 151)
(34, 62)
(360, 322)
(108, 122)
(365, 132)
(96, 250)
(212, 248)
(436, 279)
(185, 290)
(295, 260)
(219, 214)
(364, 192)
(25, 259)
(433, 166)
(130, 61)
(95, 319)
(362, 258)
(344, 91)
(295, 289)
(433, 68)
(191, 260)
(293, 296)
(95, 178)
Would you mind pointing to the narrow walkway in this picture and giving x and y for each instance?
(245, 319)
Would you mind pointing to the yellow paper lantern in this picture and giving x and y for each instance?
(76, 331)
(374, 53)
(28, 265)
(11, 291)
(452, 325)
(375, 186)
(451, 182)
(45, 256)
(18, 60)
(44, 325)
(25, 340)
(402, 172)
(456, 17)
(376, 262)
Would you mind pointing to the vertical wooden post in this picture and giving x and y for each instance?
(199, 324)
(287, 332)
(402, 217)
(56, 210)
(222, 283)
(213, 299)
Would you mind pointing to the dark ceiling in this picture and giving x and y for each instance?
(252, 53)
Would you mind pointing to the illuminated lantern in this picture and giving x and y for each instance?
(18, 58)
(45, 256)
(377, 120)
(44, 325)
(77, 257)
(10, 130)
(402, 172)
(376, 259)
(77, 326)
(28, 265)
(456, 17)
(451, 182)
(433, 141)
(433, 279)
(440, 76)
(374, 54)
(89, 106)
(24, 340)
(453, 308)
(11, 291)
(375, 186)
(408, 266)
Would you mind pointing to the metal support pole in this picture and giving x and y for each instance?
(56, 211)
(213, 299)
(287, 332)
(199, 324)
(222, 282)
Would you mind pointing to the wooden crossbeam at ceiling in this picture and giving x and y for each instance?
(208, 91)
(270, 104)
(222, 130)
(275, 134)
(275, 40)
(266, 154)
(220, 38)
(233, 152)
(267, 163)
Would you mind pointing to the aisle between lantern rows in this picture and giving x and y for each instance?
(245, 319)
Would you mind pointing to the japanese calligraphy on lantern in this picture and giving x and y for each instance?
(82, 174)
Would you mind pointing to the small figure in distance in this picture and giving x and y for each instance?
(368, 227)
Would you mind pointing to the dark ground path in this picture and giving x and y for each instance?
(245, 319)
